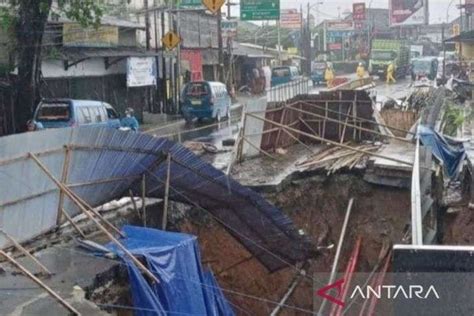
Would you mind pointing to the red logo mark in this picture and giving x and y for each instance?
(336, 285)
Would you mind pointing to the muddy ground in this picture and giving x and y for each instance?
(318, 206)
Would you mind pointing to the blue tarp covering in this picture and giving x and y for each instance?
(184, 288)
(452, 154)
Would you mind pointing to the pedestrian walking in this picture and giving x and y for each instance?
(329, 76)
(360, 71)
(390, 72)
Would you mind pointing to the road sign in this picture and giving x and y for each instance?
(229, 28)
(257, 10)
(213, 5)
(171, 40)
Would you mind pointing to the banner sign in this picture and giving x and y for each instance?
(141, 71)
(340, 25)
(408, 12)
(290, 19)
(358, 11)
(74, 35)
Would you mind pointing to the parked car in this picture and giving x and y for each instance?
(205, 99)
(424, 67)
(317, 72)
(58, 113)
(284, 74)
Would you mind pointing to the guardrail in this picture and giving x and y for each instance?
(287, 91)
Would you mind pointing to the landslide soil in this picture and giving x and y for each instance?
(316, 205)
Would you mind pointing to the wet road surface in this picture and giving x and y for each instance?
(209, 131)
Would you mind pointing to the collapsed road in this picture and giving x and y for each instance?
(267, 252)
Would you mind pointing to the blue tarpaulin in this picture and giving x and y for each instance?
(451, 153)
(185, 288)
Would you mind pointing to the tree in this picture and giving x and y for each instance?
(29, 20)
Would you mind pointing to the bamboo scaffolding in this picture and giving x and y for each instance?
(299, 141)
(333, 142)
(91, 217)
(71, 221)
(257, 148)
(91, 209)
(30, 275)
(25, 252)
(350, 125)
(360, 119)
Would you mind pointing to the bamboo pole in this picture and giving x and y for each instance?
(338, 250)
(143, 199)
(134, 203)
(164, 221)
(91, 209)
(64, 176)
(360, 128)
(25, 252)
(345, 125)
(257, 148)
(40, 283)
(299, 141)
(91, 217)
(71, 221)
(336, 143)
(360, 119)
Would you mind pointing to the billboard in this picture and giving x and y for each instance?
(358, 11)
(141, 71)
(340, 25)
(408, 12)
(290, 19)
(77, 36)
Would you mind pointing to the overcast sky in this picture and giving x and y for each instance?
(330, 8)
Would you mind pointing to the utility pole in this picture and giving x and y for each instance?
(178, 61)
(164, 90)
(147, 25)
(444, 50)
(221, 47)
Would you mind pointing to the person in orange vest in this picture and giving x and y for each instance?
(360, 71)
(329, 76)
(390, 72)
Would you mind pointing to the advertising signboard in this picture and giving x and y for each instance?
(290, 19)
(76, 36)
(408, 12)
(358, 11)
(340, 25)
(141, 71)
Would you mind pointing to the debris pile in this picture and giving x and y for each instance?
(334, 158)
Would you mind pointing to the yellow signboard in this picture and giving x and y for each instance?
(171, 40)
(213, 5)
(76, 35)
(293, 50)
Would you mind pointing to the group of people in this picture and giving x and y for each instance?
(360, 72)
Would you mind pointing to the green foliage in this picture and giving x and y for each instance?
(85, 12)
(453, 119)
